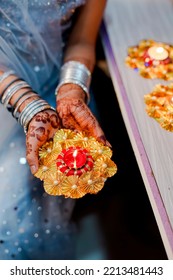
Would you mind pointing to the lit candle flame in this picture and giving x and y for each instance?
(158, 53)
(75, 153)
(160, 50)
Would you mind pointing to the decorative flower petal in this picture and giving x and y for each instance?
(83, 136)
(155, 112)
(52, 184)
(62, 135)
(167, 126)
(90, 183)
(71, 187)
(83, 140)
(159, 105)
(105, 167)
(46, 149)
(53, 155)
(97, 150)
(44, 170)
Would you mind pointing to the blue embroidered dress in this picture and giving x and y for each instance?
(33, 225)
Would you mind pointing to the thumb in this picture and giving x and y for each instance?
(32, 155)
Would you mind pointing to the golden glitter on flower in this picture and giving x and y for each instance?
(91, 183)
(45, 169)
(105, 167)
(46, 149)
(64, 137)
(52, 184)
(71, 187)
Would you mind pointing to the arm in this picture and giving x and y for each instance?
(42, 125)
(81, 47)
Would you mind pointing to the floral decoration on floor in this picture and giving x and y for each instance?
(74, 164)
(160, 105)
(151, 59)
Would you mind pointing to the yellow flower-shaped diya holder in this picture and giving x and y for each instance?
(74, 164)
(160, 105)
(153, 60)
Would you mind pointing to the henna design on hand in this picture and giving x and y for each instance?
(41, 129)
(54, 120)
(42, 117)
(29, 147)
(76, 115)
(41, 134)
(31, 131)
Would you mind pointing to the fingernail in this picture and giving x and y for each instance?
(104, 141)
(33, 169)
(102, 138)
(108, 144)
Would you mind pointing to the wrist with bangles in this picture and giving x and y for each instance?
(75, 72)
(19, 98)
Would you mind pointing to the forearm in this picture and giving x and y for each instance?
(81, 45)
(19, 98)
(73, 88)
(13, 80)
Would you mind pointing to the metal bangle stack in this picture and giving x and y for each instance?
(77, 73)
(31, 109)
(11, 91)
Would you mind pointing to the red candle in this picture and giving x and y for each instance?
(75, 158)
(74, 161)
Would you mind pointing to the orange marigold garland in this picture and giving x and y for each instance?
(160, 105)
(74, 164)
(151, 59)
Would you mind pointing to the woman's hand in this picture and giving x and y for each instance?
(41, 129)
(75, 114)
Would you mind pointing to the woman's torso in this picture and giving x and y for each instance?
(31, 38)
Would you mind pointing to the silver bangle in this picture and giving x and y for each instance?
(11, 91)
(5, 75)
(36, 111)
(24, 114)
(76, 73)
(32, 109)
(21, 102)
